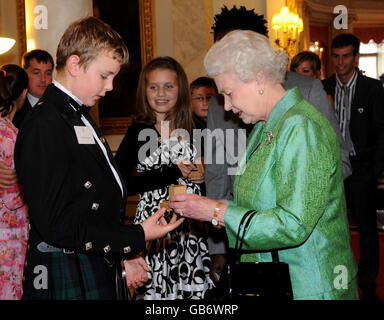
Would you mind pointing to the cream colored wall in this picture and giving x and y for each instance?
(8, 28)
(60, 15)
(183, 29)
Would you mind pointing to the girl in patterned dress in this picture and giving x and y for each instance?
(155, 153)
(13, 210)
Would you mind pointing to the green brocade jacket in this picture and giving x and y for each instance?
(291, 175)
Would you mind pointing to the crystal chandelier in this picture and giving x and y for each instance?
(287, 26)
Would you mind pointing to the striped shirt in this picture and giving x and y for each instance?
(343, 100)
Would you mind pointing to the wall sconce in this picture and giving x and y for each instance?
(287, 27)
(6, 44)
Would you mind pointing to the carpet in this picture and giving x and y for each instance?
(355, 239)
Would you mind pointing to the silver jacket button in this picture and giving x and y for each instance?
(127, 249)
(107, 248)
(88, 184)
(88, 246)
(95, 206)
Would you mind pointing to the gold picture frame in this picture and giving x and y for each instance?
(21, 33)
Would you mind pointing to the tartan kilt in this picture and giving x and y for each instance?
(72, 277)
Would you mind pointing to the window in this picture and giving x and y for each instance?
(372, 59)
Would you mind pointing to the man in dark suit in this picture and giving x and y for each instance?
(359, 106)
(39, 66)
(74, 191)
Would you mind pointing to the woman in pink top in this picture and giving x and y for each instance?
(13, 210)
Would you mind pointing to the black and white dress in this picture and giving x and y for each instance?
(179, 262)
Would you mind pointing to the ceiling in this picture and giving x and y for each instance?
(360, 12)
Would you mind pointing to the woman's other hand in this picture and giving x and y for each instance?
(7, 176)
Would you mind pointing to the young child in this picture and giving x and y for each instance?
(75, 194)
(179, 264)
(202, 89)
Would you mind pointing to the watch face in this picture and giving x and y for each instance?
(215, 222)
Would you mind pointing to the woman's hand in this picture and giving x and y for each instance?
(7, 176)
(185, 167)
(136, 272)
(156, 226)
(193, 206)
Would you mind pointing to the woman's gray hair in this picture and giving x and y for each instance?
(246, 53)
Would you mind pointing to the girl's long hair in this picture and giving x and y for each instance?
(180, 117)
(13, 81)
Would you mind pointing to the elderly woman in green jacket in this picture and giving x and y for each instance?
(291, 173)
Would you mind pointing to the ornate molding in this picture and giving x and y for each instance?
(21, 34)
(147, 30)
(368, 13)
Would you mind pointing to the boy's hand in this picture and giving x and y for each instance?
(156, 227)
(136, 272)
(8, 176)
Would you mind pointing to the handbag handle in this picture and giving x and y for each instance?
(240, 226)
(249, 214)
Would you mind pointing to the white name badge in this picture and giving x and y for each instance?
(84, 135)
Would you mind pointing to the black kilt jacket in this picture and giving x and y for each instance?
(75, 203)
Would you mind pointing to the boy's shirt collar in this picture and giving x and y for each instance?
(62, 88)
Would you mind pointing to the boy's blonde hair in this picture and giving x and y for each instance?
(87, 38)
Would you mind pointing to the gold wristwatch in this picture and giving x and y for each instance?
(215, 219)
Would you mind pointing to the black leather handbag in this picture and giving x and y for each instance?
(268, 280)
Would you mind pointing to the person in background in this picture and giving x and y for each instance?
(307, 63)
(154, 154)
(290, 175)
(75, 194)
(359, 106)
(202, 90)
(13, 210)
(39, 66)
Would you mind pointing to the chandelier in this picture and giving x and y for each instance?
(316, 48)
(287, 27)
(6, 44)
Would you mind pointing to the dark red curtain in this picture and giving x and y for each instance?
(365, 34)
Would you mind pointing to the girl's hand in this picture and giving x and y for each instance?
(185, 167)
(198, 180)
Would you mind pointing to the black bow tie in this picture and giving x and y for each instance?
(80, 109)
(83, 109)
